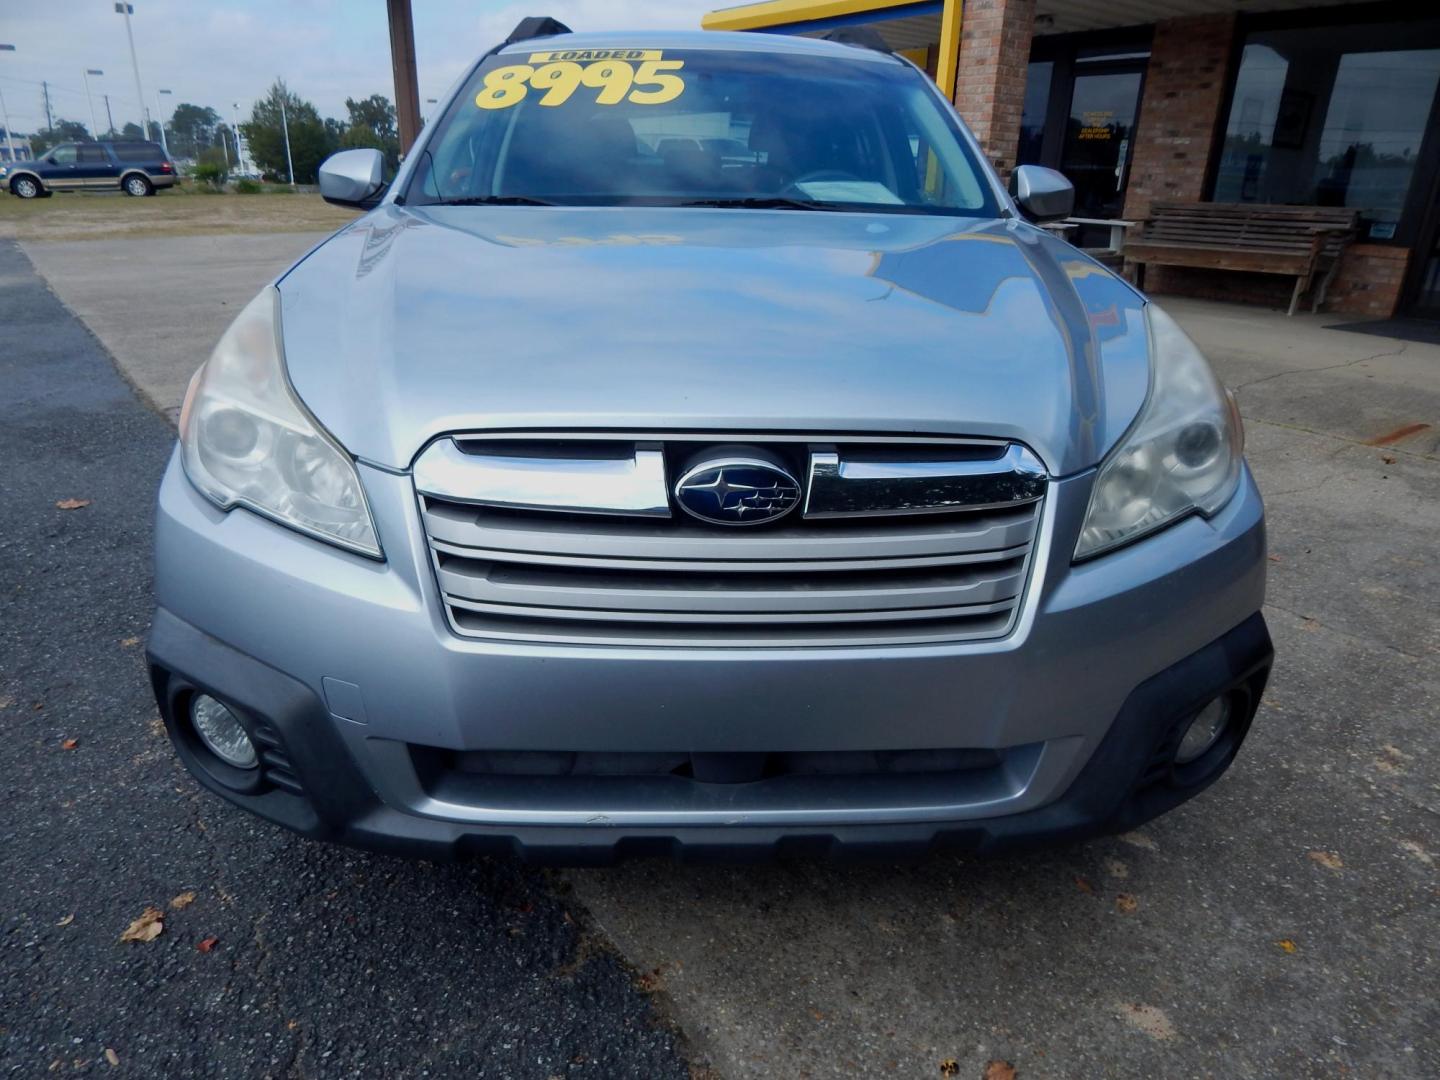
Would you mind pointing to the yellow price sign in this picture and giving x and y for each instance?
(615, 78)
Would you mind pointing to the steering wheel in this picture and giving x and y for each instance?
(823, 176)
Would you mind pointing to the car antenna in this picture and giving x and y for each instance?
(861, 37)
(536, 26)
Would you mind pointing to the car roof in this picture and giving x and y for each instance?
(711, 40)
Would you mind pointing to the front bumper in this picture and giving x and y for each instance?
(343, 666)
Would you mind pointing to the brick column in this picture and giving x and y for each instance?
(990, 83)
(1179, 111)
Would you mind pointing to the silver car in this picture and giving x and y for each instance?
(697, 451)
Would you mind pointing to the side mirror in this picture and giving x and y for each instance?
(1044, 194)
(353, 178)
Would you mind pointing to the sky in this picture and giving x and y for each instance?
(223, 52)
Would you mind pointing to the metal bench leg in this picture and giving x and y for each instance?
(1300, 283)
(1324, 290)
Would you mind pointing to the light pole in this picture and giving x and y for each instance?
(127, 10)
(5, 115)
(239, 153)
(94, 127)
(160, 121)
(285, 127)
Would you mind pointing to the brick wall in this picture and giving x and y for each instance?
(1179, 111)
(1370, 279)
(990, 84)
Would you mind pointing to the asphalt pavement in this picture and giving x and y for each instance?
(277, 957)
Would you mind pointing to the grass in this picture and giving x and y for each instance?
(176, 212)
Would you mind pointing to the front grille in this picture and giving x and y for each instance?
(914, 569)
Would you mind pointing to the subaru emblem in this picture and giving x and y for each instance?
(737, 491)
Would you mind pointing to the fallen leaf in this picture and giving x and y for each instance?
(1274, 558)
(184, 900)
(1083, 884)
(149, 926)
(1126, 903)
(1117, 869)
(949, 1067)
(817, 1014)
(69, 744)
(72, 504)
(67, 920)
(1140, 840)
(998, 1070)
(112, 1057)
(6, 702)
(1288, 946)
(1389, 459)
(1149, 1019)
(1327, 859)
(1410, 847)
(129, 642)
(206, 944)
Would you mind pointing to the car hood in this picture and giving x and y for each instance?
(412, 323)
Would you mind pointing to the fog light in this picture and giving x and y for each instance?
(222, 734)
(1204, 731)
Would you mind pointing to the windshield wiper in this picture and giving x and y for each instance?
(494, 200)
(762, 202)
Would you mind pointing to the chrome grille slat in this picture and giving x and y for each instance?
(738, 566)
(734, 617)
(703, 593)
(514, 575)
(472, 527)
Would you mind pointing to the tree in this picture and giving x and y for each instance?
(131, 132)
(310, 142)
(373, 124)
(191, 129)
(63, 131)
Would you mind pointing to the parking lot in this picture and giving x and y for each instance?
(1282, 924)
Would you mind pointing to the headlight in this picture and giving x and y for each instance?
(248, 440)
(1181, 455)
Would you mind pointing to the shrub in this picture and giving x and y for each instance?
(211, 169)
(247, 187)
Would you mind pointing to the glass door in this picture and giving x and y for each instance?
(1098, 143)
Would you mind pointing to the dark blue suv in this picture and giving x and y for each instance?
(136, 168)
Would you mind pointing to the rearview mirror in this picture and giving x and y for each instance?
(353, 178)
(1043, 194)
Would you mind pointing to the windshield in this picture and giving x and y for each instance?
(700, 127)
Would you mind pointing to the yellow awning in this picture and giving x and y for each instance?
(770, 13)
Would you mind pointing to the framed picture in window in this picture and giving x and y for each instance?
(1292, 120)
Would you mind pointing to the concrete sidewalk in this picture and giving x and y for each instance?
(159, 305)
(1282, 924)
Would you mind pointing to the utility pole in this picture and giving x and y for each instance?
(9, 138)
(45, 90)
(285, 127)
(94, 127)
(109, 119)
(126, 10)
(402, 62)
(5, 114)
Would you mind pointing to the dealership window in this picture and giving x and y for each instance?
(1332, 116)
(1032, 115)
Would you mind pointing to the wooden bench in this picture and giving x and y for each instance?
(1301, 241)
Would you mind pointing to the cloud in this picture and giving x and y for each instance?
(228, 51)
